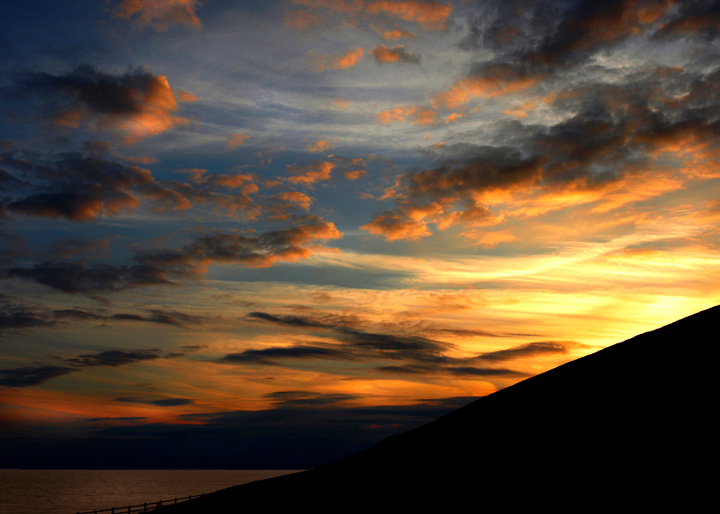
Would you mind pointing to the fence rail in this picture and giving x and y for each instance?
(142, 507)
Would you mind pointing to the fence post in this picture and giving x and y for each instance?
(175, 500)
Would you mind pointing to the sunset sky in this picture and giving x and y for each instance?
(267, 233)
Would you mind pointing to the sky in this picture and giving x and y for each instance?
(269, 233)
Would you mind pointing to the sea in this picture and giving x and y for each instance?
(34, 491)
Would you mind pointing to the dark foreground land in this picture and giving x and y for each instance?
(625, 429)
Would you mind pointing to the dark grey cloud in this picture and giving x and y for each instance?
(288, 320)
(16, 315)
(484, 372)
(155, 267)
(261, 250)
(80, 187)
(97, 91)
(303, 399)
(527, 350)
(161, 402)
(114, 358)
(133, 105)
(274, 356)
(414, 354)
(30, 376)
(693, 18)
(81, 278)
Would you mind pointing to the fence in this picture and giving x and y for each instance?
(143, 507)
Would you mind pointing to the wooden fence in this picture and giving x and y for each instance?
(143, 507)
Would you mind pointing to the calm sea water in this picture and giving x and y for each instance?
(71, 491)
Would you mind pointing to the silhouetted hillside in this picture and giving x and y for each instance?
(626, 428)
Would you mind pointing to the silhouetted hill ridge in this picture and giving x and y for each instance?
(627, 425)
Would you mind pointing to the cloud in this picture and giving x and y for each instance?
(236, 140)
(264, 250)
(319, 146)
(486, 81)
(397, 54)
(309, 174)
(304, 399)
(586, 28)
(16, 315)
(429, 15)
(527, 350)
(155, 267)
(302, 20)
(603, 150)
(411, 353)
(162, 402)
(349, 59)
(484, 372)
(186, 97)
(158, 14)
(415, 114)
(395, 34)
(163, 317)
(694, 19)
(30, 376)
(395, 227)
(488, 239)
(274, 356)
(135, 104)
(77, 277)
(86, 187)
(355, 174)
(114, 358)
(283, 206)
(341, 103)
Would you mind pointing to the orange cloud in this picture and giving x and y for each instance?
(495, 80)
(319, 146)
(158, 14)
(281, 205)
(395, 227)
(488, 239)
(300, 199)
(354, 175)
(156, 103)
(236, 140)
(341, 103)
(186, 97)
(521, 111)
(453, 117)
(429, 15)
(394, 35)
(415, 114)
(136, 104)
(310, 173)
(397, 54)
(302, 20)
(337, 62)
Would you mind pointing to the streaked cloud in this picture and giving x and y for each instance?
(158, 14)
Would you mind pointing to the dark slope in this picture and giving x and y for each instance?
(626, 428)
